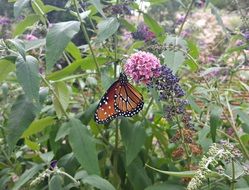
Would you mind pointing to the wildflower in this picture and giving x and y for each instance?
(30, 37)
(4, 21)
(141, 66)
(239, 43)
(212, 163)
(53, 165)
(167, 84)
(143, 33)
(186, 33)
(195, 149)
(176, 109)
(211, 59)
(180, 19)
(246, 35)
(200, 3)
(178, 153)
(121, 9)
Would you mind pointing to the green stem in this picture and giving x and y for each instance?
(77, 183)
(182, 135)
(148, 108)
(66, 58)
(233, 176)
(185, 18)
(243, 147)
(7, 158)
(55, 96)
(42, 13)
(83, 28)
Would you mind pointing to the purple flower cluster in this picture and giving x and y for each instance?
(4, 21)
(167, 84)
(120, 9)
(246, 35)
(180, 19)
(143, 33)
(200, 3)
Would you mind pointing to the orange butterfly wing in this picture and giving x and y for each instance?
(121, 99)
(128, 100)
(106, 110)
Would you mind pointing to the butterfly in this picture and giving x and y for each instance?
(121, 99)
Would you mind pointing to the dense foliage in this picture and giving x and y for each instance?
(188, 58)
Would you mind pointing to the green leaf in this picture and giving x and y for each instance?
(244, 138)
(215, 120)
(67, 71)
(173, 58)
(88, 63)
(135, 45)
(73, 50)
(165, 186)
(63, 94)
(63, 131)
(38, 8)
(23, 25)
(244, 117)
(129, 26)
(6, 67)
(4, 180)
(154, 27)
(133, 137)
(193, 104)
(83, 146)
(50, 8)
(47, 156)
(59, 35)
(19, 7)
(107, 28)
(18, 46)
(33, 44)
(21, 115)
(157, 2)
(38, 126)
(88, 114)
(137, 175)
(32, 145)
(174, 173)
(27, 73)
(193, 51)
(55, 183)
(98, 182)
(26, 176)
(97, 4)
(85, 14)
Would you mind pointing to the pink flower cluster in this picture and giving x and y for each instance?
(30, 37)
(142, 66)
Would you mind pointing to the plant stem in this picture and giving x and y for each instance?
(148, 108)
(185, 18)
(7, 158)
(235, 129)
(77, 183)
(182, 136)
(233, 176)
(83, 28)
(42, 13)
(55, 96)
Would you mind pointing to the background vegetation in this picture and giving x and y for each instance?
(59, 57)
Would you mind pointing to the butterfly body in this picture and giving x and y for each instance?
(121, 99)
